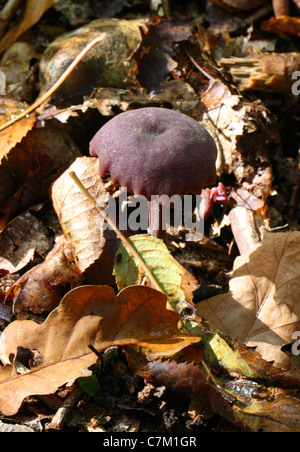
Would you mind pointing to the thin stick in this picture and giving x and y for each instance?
(206, 74)
(55, 87)
(121, 236)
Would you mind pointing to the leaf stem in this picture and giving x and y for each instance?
(121, 236)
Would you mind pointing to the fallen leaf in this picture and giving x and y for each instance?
(190, 380)
(50, 160)
(155, 54)
(32, 11)
(245, 403)
(80, 221)
(280, 414)
(42, 287)
(175, 281)
(87, 315)
(261, 308)
(283, 24)
(238, 128)
(35, 166)
(14, 134)
(179, 94)
(21, 240)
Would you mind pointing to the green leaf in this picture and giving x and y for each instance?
(89, 385)
(175, 282)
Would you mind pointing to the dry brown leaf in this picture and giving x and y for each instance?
(283, 24)
(14, 134)
(31, 14)
(191, 380)
(22, 238)
(262, 306)
(240, 132)
(48, 151)
(87, 315)
(78, 217)
(42, 287)
(34, 165)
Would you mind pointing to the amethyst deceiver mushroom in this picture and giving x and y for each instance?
(156, 151)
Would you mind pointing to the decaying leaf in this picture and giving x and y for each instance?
(87, 315)
(246, 404)
(285, 24)
(192, 381)
(15, 64)
(155, 54)
(176, 282)
(42, 287)
(261, 308)
(22, 238)
(14, 134)
(34, 165)
(31, 14)
(242, 136)
(78, 218)
(179, 94)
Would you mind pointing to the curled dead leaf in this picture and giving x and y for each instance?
(42, 287)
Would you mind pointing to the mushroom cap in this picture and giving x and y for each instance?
(156, 151)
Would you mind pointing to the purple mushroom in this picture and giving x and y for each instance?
(156, 151)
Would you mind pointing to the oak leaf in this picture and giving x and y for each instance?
(87, 315)
(262, 306)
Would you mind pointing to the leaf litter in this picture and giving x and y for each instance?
(231, 354)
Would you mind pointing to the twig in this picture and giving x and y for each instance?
(203, 72)
(62, 414)
(55, 87)
(167, 11)
(121, 236)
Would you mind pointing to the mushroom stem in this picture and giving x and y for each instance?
(156, 229)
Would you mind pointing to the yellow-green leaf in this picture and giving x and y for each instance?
(174, 280)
